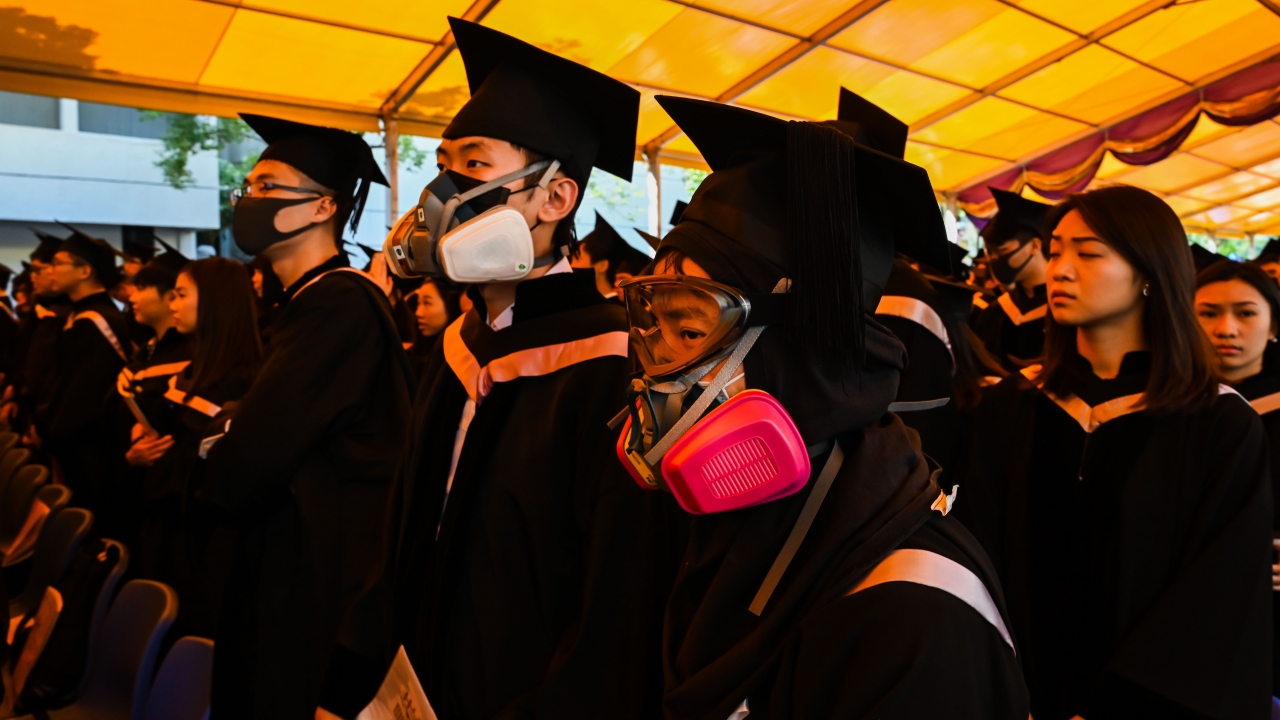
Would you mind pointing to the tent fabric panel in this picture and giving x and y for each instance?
(363, 73)
(426, 18)
(1262, 200)
(999, 128)
(1082, 16)
(700, 54)
(174, 44)
(807, 87)
(579, 31)
(1229, 188)
(1253, 144)
(443, 93)
(947, 167)
(1176, 173)
(1193, 40)
(1091, 85)
(798, 18)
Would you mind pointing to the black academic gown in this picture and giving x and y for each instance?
(918, 316)
(1012, 327)
(1263, 393)
(897, 650)
(147, 379)
(8, 331)
(37, 354)
(306, 467)
(536, 590)
(1135, 557)
(78, 423)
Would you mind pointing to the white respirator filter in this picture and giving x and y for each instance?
(494, 246)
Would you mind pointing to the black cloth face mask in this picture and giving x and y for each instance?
(1002, 270)
(254, 224)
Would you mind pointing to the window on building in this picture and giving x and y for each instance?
(116, 120)
(29, 110)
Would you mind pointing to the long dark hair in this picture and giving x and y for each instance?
(1146, 232)
(226, 323)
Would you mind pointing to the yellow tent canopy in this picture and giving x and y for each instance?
(986, 85)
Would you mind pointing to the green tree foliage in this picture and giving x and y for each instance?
(625, 200)
(190, 134)
(693, 178)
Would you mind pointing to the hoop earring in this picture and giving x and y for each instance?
(1146, 290)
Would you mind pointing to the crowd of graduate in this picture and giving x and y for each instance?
(804, 463)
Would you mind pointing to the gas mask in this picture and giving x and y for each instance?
(463, 229)
(1001, 269)
(682, 432)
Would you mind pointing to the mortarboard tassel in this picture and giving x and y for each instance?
(822, 226)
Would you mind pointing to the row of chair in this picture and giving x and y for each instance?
(127, 630)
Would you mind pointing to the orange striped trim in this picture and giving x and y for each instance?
(1090, 417)
(1266, 403)
(198, 404)
(532, 362)
(1017, 316)
(43, 312)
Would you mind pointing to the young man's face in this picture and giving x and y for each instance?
(150, 306)
(68, 272)
(41, 278)
(483, 158)
(269, 178)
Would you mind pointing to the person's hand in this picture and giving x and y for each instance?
(322, 714)
(8, 411)
(1275, 569)
(147, 450)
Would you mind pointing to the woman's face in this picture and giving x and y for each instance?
(1237, 319)
(432, 315)
(185, 304)
(1088, 282)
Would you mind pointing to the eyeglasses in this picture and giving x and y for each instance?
(256, 189)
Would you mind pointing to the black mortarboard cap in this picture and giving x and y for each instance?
(47, 248)
(678, 212)
(606, 243)
(809, 200)
(1270, 252)
(653, 240)
(1014, 213)
(1202, 256)
(97, 252)
(957, 295)
(337, 159)
(871, 125)
(162, 270)
(546, 103)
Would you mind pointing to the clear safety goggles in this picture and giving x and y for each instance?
(678, 321)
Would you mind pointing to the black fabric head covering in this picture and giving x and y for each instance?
(1014, 214)
(678, 212)
(1203, 257)
(543, 102)
(1270, 253)
(337, 159)
(870, 125)
(653, 240)
(162, 270)
(47, 248)
(97, 252)
(804, 201)
(605, 243)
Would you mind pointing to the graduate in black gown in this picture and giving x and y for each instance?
(436, 304)
(1012, 327)
(1239, 308)
(943, 375)
(766, 618)
(33, 361)
(144, 381)
(191, 542)
(8, 317)
(520, 557)
(77, 420)
(608, 255)
(306, 458)
(1121, 492)
(1269, 260)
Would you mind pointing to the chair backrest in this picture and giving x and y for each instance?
(8, 441)
(58, 543)
(10, 461)
(101, 607)
(121, 669)
(54, 497)
(182, 687)
(16, 500)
